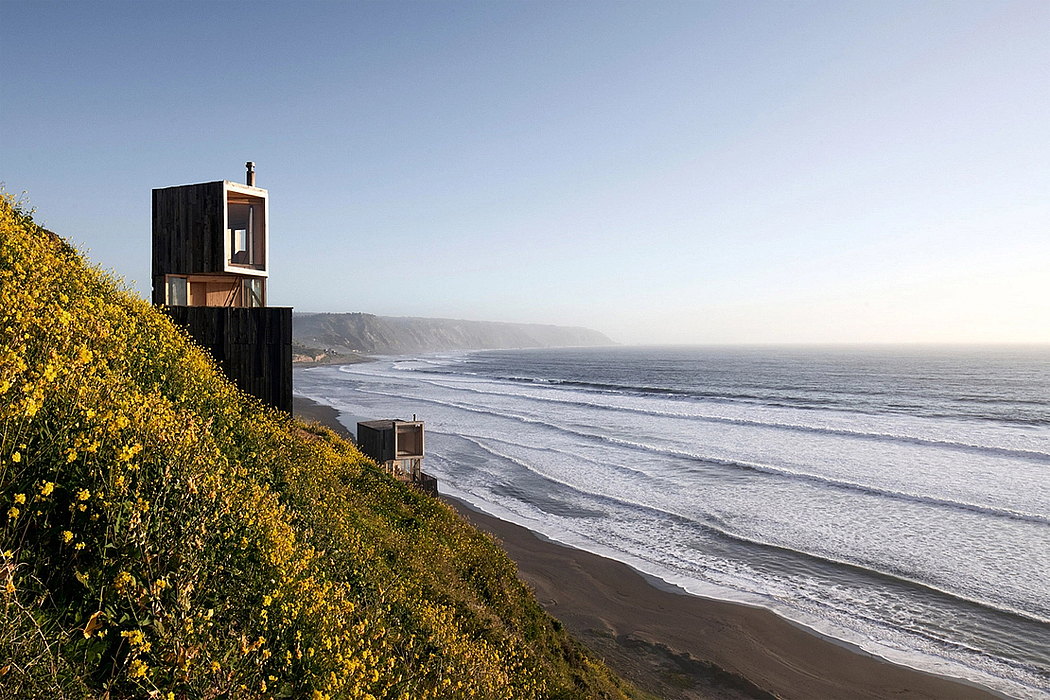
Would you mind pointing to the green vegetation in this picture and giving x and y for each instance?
(308, 355)
(165, 536)
(358, 333)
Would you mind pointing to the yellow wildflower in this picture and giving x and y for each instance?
(16, 457)
(67, 536)
(20, 498)
(121, 582)
(12, 513)
(83, 495)
(47, 488)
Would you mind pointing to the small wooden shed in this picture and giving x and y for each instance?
(211, 261)
(397, 446)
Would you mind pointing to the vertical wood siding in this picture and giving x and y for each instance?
(188, 232)
(253, 346)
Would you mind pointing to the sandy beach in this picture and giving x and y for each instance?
(675, 645)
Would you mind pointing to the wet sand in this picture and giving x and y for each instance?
(325, 415)
(674, 645)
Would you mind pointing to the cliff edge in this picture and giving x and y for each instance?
(389, 335)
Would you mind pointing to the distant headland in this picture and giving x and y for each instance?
(356, 334)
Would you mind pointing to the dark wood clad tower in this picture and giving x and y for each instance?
(210, 265)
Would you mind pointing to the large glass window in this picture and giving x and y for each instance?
(253, 292)
(241, 220)
(410, 440)
(176, 291)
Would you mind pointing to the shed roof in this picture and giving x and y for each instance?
(379, 424)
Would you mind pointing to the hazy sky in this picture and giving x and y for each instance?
(663, 172)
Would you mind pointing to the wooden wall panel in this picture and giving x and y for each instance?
(188, 232)
(253, 346)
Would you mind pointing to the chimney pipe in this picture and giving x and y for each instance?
(251, 173)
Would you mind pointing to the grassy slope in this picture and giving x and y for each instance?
(163, 534)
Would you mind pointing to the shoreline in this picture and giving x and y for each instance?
(676, 645)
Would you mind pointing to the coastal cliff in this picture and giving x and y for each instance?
(387, 335)
(165, 535)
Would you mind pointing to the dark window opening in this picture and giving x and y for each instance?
(241, 218)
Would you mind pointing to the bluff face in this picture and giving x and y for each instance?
(387, 335)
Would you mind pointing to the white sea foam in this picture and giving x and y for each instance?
(883, 510)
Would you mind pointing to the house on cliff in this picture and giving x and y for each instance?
(211, 260)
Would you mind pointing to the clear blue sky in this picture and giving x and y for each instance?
(688, 172)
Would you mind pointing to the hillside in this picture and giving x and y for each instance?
(165, 536)
(386, 335)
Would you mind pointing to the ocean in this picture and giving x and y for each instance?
(894, 499)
